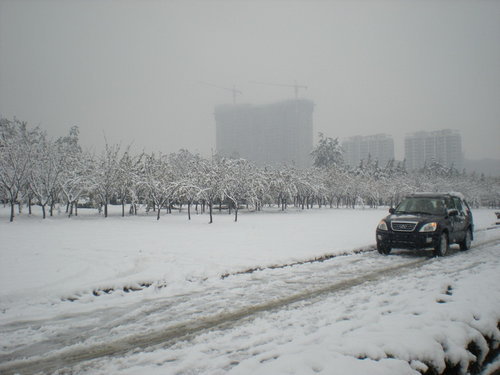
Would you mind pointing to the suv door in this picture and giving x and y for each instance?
(460, 222)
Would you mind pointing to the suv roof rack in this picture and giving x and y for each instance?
(438, 194)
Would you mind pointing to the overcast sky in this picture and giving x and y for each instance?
(132, 70)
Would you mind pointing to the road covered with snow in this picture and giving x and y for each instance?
(300, 292)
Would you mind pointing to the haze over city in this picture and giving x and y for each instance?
(311, 187)
(137, 72)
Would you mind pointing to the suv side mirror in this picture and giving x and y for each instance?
(392, 210)
(453, 212)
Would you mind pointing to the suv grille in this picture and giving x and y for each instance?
(403, 226)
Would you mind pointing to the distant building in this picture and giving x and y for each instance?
(272, 134)
(444, 146)
(377, 147)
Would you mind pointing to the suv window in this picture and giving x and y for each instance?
(467, 208)
(450, 204)
(459, 206)
(415, 205)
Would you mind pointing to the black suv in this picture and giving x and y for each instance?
(427, 220)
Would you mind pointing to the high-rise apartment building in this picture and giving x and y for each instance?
(272, 134)
(377, 147)
(444, 146)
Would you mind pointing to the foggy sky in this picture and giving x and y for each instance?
(132, 70)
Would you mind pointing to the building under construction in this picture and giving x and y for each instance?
(271, 134)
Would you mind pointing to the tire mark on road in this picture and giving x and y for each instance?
(66, 358)
(186, 330)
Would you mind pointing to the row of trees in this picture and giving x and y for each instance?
(35, 169)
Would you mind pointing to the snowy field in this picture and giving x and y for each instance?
(68, 285)
(46, 260)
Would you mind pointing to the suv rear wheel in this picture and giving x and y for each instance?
(442, 247)
(466, 243)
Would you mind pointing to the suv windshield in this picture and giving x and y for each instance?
(421, 205)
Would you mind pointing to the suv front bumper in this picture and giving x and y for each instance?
(410, 240)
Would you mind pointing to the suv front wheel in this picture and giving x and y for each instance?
(383, 249)
(442, 246)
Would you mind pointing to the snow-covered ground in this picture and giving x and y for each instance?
(46, 260)
(135, 295)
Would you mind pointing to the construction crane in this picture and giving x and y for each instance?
(233, 90)
(295, 86)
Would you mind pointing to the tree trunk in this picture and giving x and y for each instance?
(106, 209)
(189, 211)
(210, 210)
(123, 207)
(235, 213)
(12, 204)
(158, 213)
(29, 205)
(43, 211)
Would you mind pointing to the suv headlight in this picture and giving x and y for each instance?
(382, 225)
(429, 227)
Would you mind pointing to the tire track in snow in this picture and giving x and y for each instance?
(185, 331)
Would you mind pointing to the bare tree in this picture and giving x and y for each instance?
(211, 182)
(45, 171)
(75, 170)
(236, 183)
(186, 169)
(105, 175)
(15, 151)
(158, 180)
(126, 174)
